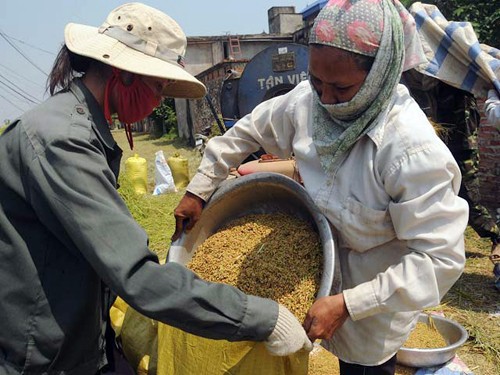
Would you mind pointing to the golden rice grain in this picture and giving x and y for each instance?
(274, 256)
(425, 336)
(322, 362)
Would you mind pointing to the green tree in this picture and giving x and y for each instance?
(484, 15)
(165, 118)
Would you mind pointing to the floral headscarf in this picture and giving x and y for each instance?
(376, 28)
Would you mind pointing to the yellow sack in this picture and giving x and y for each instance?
(136, 169)
(117, 315)
(180, 353)
(138, 336)
(179, 166)
(155, 348)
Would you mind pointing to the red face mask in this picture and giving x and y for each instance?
(134, 102)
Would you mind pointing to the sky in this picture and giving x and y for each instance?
(32, 32)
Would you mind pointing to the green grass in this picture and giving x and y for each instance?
(475, 303)
(472, 301)
(154, 213)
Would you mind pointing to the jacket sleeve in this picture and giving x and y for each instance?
(269, 126)
(71, 177)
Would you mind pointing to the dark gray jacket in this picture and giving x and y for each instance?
(65, 235)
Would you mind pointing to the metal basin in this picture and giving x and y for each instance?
(258, 193)
(453, 333)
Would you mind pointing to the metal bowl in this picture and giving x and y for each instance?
(454, 334)
(258, 193)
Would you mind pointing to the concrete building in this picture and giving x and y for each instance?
(284, 20)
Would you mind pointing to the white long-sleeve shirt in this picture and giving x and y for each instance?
(393, 205)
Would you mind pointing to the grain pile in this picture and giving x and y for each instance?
(322, 362)
(275, 256)
(425, 336)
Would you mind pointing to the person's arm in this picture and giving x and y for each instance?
(269, 126)
(492, 109)
(72, 178)
(427, 213)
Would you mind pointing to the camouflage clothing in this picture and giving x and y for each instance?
(457, 118)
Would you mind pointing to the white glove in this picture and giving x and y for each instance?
(288, 335)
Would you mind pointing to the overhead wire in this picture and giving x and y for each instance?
(7, 100)
(29, 45)
(2, 34)
(15, 91)
(19, 88)
(18, 93)
(20, 76)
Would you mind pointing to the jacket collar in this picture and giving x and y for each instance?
(84, 95)
(377, 133)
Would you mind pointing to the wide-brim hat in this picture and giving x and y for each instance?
(142, 40)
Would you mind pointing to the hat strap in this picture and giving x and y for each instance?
(147, 47)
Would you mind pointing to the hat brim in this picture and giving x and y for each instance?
(87, 41)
